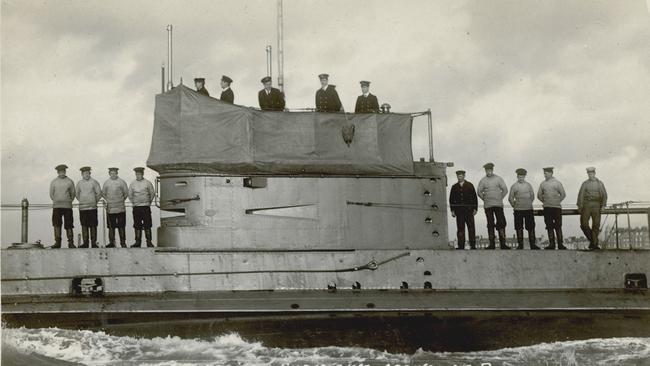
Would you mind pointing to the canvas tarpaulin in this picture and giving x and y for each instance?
(193, 132)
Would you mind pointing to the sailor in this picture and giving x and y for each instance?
(463, 204)
(551, 193)
(62, 193)
(521, 199)
(270, 98)
(141, 194)
(115, 192)
(366, 102)
(592, 199)
(492, 189)
(199, 83)
(327, 99)
(88, 194)
(227, 95)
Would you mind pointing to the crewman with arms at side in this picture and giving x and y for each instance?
(270, 98)
(199, 83)
(592, 199)
(551, 193)
(141, 194)
(366, 102)
(521, 199)
(492, 189)
(327, 99)
(227, 94)
(88, 194)
(115, 191)
(463, 204)
(62, 192)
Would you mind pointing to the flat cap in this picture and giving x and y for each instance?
(548, 169)
(459, 172)
(202, 80)
(266, 79)
(521, 171)
(488, 166)
(591, 169)
(85, 169)
(138, 169)
(113, 168)
(61, 167)
(364, 83)
(323, 76)
(226, 79)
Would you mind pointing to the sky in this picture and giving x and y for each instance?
(521, 84)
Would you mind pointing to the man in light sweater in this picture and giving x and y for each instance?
(115, 192)
(492, 189)
(141, 194)
(62, 193)
(551, 193)
(88, 194)
(521, 199)
(592, 199)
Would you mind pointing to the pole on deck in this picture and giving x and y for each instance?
(280, 47)
(170, 76)
(24, 232)
(430, 136)
(629, 227)
(162, 78)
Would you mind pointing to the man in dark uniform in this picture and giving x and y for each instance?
(463, 204)
(200, 86)
(227, 95)
(62, 192)
(327, 99)
(366, 102)
(270, 98)
(592, 199)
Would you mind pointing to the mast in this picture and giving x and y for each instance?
(280, 48)
(170, 83)
(269, 62)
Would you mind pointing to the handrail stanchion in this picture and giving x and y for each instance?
(430, 136)
(24, 233)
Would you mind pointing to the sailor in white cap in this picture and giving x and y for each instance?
(62, 193)
(141, 194)
(592, 199)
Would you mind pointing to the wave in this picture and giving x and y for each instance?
(87, 347)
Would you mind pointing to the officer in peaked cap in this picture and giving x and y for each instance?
(200, 86)
(227, 94)
(492, 189)
(88, 193)
(62, 192)
(592, 199)
(115, 192)
(551, 193)
(141, 194)
(270, 98)
(521, 199)
(366, 102)
(327, 99)
(463, 205)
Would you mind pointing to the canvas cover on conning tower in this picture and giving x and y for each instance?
(193, 132)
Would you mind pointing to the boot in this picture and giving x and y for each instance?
(502, 239)
(93, 237)
(532, 240)
(472, 240)
(491, 238)
(147, 235)
(122, 232)
(520, 239)
(461, 240)
(594, 235)
(588, 235)
(111, 238)
(84, 234)
(138, 239)
(560, 239)
(57, 238)
(551, 239)
(69, 233)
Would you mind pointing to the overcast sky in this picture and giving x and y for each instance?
(520, 83)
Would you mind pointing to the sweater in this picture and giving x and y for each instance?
(88, 194)
(551, 193)
(141, 192)
(62, 192)
(492, 190)
(115, 192)
(521, 196)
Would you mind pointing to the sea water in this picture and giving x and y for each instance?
(53, 346)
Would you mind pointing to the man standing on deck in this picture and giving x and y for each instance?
(463, 204)
(199, 83)
(521, 199)
(270, 98)
(141, 194)
(592, 199)
(115, 192)
(492, 189)
(62, 193)
(327, 99)
(226, 95)
(366, 102)
(551, 193)
(88, 194)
